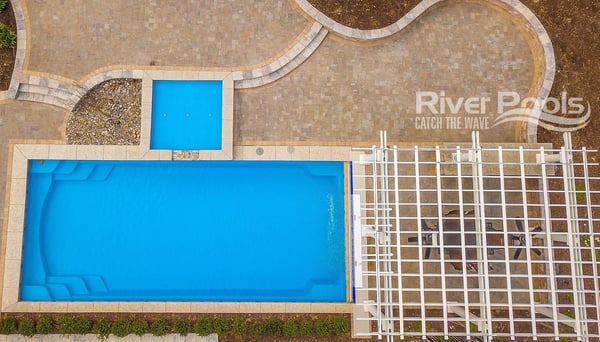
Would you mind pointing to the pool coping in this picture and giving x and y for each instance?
(12, 235)
(149, 76)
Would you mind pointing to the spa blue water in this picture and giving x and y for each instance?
(184, 231)
(186, 115)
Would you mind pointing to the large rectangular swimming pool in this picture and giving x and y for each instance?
(184, 231)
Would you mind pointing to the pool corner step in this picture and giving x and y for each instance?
(95, 284)
(74, 285)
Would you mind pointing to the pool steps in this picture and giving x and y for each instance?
(49, 90)
(65, 287)
(68, 170)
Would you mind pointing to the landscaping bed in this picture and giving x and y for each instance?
(7, 54)
(246, 327)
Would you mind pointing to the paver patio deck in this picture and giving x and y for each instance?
(73, 38)
(347, 92)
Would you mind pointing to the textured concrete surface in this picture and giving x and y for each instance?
(347, 92)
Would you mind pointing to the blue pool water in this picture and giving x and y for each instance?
(184, 231)
(186, 115)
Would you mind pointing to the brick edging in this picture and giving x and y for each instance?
(17, 74)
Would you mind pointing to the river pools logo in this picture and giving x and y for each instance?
(438, 111)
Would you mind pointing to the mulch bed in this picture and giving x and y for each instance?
(365, 14)
(7, 55)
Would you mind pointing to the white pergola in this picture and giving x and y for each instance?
(476, 241)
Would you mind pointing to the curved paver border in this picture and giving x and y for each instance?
(21, 23)
(527, 132)
(286, 63)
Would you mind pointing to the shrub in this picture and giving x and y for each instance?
(204, 327)
(102, 329)
(257, 328)
(340, 325)
(182, 327)
(306, 328)
(239, 327)
(3, 4)
(221, 326)
(26, 327)
(65, 325)
(322, 327)
(160, 327)
(139, 327)
(83, 326)
(121, 327)
(274, 327)
(291, 328)
(8, 37)
(44, 326)
(8, 326)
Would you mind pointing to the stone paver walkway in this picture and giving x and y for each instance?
(26, 120)
(74, 37)
(347, 92)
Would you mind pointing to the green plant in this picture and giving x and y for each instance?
(82, 326)
(238, 327)
(65, 325)
(26, 327)
(291, 328)
(44, 326)
(340, 325)
(160, 327)
(416, 326)
(8, 37)
(580, 192)
(570, 297)
(306, 328)
(102, 329)
(220, 326)
(204, 327)
(139, 327)
(322, 327)
(257, 328)
(121, 327)
(3, 4)
(585, 240)
(274, 327)
(8, 326)
(570, 314)
(473, 327)
(182, 327)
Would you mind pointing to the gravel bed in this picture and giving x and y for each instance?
(109, 114)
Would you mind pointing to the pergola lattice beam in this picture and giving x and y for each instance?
(398, 188)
